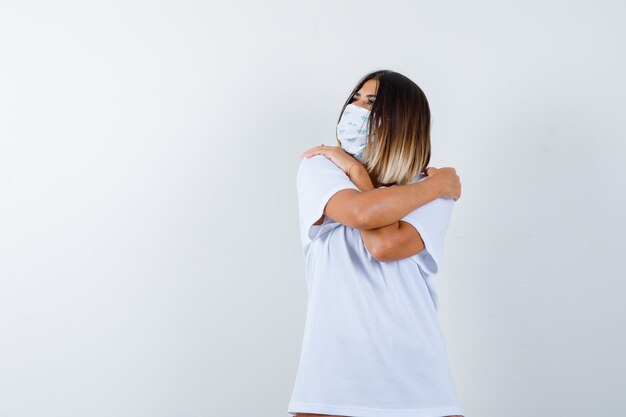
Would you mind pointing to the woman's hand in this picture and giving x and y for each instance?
(448, 181)
(336, 154)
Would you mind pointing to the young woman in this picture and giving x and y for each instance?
(372, 221)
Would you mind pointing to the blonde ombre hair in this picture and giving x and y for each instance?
(398, 146)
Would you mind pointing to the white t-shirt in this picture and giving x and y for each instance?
(372, 344)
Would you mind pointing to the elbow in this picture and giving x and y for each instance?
(378, 251)
(380, 255)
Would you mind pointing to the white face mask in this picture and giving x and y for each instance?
(352, 130)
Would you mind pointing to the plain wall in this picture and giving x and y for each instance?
(150, 262)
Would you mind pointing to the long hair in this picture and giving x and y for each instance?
(398, 147)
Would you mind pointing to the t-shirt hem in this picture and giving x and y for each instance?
(316, 408)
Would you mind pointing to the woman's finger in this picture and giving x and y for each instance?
(318, 150)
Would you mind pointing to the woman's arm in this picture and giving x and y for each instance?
(371, 208)
(391, 242)
(377, 212)
(386, 206)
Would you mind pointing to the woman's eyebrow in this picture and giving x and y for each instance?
(369, 95)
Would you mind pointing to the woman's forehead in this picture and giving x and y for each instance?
(370, 86)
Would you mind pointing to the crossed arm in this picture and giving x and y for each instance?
(376, 212)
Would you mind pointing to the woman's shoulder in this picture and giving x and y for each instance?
(315, 160)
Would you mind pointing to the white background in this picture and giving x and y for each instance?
(150, 262)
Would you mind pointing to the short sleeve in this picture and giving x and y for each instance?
(317, 179)
(431, 220)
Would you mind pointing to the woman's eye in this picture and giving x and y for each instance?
(371, 102)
